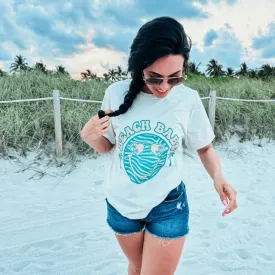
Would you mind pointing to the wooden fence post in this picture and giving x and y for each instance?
(212, 108)
(57, 122)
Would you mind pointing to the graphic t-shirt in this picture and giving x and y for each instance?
(147, 160)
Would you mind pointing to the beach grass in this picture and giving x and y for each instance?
(30, 125)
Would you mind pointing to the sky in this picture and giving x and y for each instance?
(97, 35)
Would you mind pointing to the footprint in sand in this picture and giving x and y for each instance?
(222, 256)
(103, 265)
(252, 234)
(267, 258)
(254, 199)
(204, 234)
(25, 265)
(205, 244)
(98, 182)
(41, 247)
(254, 223)
(244, 255)
(221, 225)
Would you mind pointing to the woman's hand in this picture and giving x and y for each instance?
(96, 127)
(226, 191)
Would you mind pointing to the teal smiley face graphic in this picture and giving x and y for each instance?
(144, 156)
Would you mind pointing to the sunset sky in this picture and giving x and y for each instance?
(82, 34)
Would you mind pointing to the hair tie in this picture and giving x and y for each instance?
(101, 114)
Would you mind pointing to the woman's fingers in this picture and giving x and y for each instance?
(104, 119)
(231, 194)
(104, 125)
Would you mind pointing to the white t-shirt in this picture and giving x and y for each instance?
(147, 160)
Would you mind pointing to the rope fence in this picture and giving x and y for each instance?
(57, 112)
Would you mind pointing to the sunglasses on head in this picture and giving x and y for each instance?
(173, 81)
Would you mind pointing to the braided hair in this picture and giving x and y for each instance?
(157, 38)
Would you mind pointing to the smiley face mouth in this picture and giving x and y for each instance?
(147, 175)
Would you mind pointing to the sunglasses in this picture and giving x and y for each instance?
(173, 81)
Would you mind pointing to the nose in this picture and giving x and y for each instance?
(164, 85)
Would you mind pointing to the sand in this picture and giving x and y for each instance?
(52, 221)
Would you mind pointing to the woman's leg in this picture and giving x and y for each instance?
(160, 256)
(166, 230)
(130, 235)
(132, 246)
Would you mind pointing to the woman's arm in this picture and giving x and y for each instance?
(93, 134)
(211, 161)
(212, 164)
(101, 145)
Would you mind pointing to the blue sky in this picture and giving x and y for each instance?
(87, 34)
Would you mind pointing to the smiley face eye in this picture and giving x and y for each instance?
(157, 149)
(137, 148)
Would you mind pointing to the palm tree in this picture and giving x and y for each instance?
(120, 73)
(106, 77)
(84, 76)
(40, 66)
(88, 75)
(253, 73)
(19, 64)
(230, 72)
(60, 69)
(112, 74)
(193, 68)
(2, 73)
(214, 69)
(266, 71)
(244, 70)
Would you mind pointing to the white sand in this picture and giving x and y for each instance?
(56, 224)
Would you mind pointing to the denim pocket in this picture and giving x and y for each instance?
(175, 194)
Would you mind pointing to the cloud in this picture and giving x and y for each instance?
(229, 2)
(10, 31)
(4, 54)
(265, 43)
(227, 50)
(98, 60)
(37, 19)
(210, 37)
(179, 9)
(119, 40)
(48, 30)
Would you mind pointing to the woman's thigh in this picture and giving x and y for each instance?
(166, 228)
(130, 236)
(160, 256)
(132, 246)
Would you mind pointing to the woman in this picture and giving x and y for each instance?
(147, 205)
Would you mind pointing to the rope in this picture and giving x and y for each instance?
(80, 100)
(26, 100)
(96, 101)
(246, 100)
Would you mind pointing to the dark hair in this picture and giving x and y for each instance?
(157, 38)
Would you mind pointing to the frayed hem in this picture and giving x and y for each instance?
(173, 238)
(125, 234)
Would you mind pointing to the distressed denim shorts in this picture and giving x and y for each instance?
(169, 219)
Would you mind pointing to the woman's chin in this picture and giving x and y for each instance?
(160, 94)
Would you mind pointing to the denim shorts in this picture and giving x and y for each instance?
(169, 219)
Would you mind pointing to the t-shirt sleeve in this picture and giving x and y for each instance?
(106, 105)
(199, 129)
